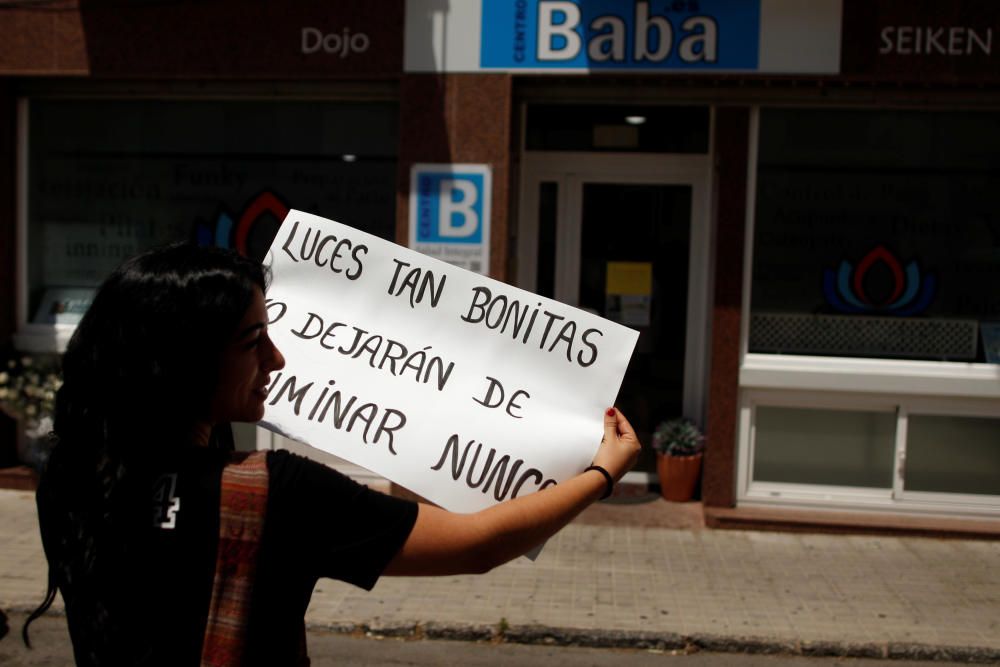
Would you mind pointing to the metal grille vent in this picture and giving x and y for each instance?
(791, 333)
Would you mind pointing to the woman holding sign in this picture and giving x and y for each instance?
(170, 549)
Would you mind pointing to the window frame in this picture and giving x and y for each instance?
(966, 378)
(828, 382)
(846, 373)
(53, 338)
(751, 492)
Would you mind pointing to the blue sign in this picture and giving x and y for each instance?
(617, 34)
(449, 207)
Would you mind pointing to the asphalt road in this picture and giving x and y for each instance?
(51, 647)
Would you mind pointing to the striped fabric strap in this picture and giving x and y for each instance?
(242, 507)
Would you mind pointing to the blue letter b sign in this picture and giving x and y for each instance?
(450, 207)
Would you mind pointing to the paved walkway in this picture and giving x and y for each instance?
(627, 585)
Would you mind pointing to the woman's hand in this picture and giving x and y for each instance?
(443, 542)
(619, 447)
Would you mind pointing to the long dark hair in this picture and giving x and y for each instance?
(138, 376)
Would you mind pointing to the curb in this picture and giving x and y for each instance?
(544, 635)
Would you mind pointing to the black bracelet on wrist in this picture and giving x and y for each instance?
(608, 480)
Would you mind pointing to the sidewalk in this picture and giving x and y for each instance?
(606, 584)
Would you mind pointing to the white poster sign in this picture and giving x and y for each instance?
(458, 387)
(450, 213)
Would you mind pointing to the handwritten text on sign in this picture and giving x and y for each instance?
(460, 388)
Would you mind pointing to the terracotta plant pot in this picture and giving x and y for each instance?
(678, 476)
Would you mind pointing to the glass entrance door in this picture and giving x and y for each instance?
(633, 270)
(627, 239)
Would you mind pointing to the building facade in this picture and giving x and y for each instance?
(793, 202)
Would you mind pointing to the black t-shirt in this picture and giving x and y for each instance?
(319, 523)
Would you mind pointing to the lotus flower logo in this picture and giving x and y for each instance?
(910, 291)
(225, 234)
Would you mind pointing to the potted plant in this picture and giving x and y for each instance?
(28, 387)
(679, 445)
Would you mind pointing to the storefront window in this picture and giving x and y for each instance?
(107, 179)
(949, 454)
(828, 447)
(877, 234)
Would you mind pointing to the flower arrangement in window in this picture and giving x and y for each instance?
(28, 386)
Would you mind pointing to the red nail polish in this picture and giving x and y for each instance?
(611, 412)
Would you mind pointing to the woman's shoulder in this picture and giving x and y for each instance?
(294, 471)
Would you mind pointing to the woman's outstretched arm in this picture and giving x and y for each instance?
(443, 542)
